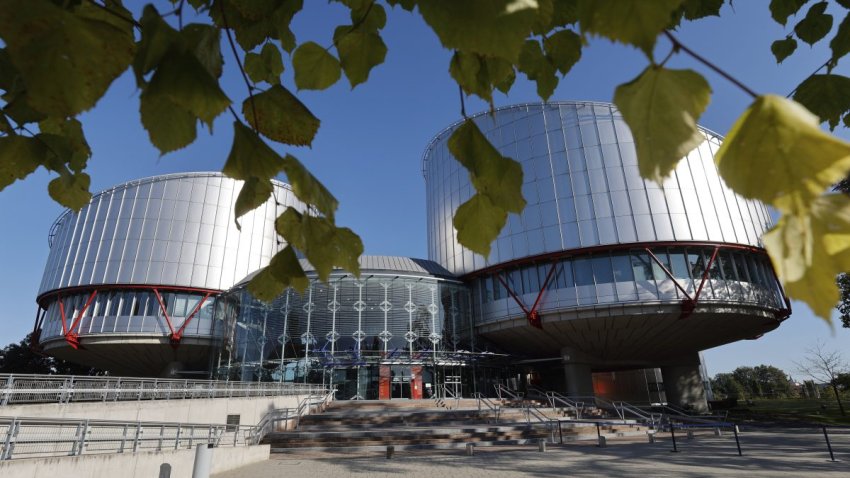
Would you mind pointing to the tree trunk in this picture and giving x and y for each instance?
(838, 399)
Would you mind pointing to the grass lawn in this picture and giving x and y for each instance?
(792, 410)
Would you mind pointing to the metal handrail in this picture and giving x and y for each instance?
(24, 437)
(31, 388)
(513, 394)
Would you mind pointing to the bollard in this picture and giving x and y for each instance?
(390, 451)
(651, 436)
(541, 445)
(602, 441)
(717, 432)
(470, 449)
(690, 434)
(203, 461)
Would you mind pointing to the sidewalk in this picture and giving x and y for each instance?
(766, 454)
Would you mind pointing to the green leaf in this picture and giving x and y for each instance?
(359, 52)
(782, 49)
(816, 24)
(466, 70)
(696, 9)
(19, 156)
(810, 250)
(633, 22)
(662, 107)
(71, 132)
(266, 66)
(157, 39)
(478, 223)
(71, 190)
(323, 244)
(284, 270)
(780, 10)
(47, 43)
(539, 68)
(280, 116)
(180, 92)
(315, 68)
(776, 152)
(250, 157)
(307, 188)
(497, 179)
(254, 193)
(486, 27)
(564, 48)
(840, 44)
(204, 41)
(827, 96)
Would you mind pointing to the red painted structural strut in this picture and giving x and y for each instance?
(532, 315)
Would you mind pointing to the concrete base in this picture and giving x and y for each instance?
(683, 384)
(131, 465)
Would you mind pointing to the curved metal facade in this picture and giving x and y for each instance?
(400, 311)
(597, 246)
(583, 189)
(143, 258)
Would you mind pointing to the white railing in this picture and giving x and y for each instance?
(22, 437)
(19, 388)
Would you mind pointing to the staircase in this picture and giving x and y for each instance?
(352, 425)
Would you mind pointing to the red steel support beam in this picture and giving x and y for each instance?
(532, 315)
(176, 336)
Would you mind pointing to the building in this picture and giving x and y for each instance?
(131, 279)
(606, 284)
(604, 271)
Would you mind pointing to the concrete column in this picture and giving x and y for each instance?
(578, 373)
(683, 384)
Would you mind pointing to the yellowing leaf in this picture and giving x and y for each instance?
(307, 188)
(67, 60)
(662, 107)
(280, 116)
(250, 157)
(71, 190)
(827, 96)
(633, 22)
(497, 179)
(284, 270)
(19, 156)
(486, 27)
(266, 66)
(564, 48)
(323, 243)
(359, 52)
(775, 152)
(315, 68)
(809, 250)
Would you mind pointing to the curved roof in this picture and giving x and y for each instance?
(381, 264)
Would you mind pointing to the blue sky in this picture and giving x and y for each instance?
(369, 146)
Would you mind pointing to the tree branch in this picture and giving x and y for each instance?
(679, 46)
(241, 68)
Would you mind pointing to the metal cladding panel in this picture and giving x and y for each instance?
(173, 230)
(583, 189)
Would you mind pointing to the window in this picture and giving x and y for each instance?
(622, 268)
(583, 271)
(642, 266)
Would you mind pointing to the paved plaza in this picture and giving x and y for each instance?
(765, 454)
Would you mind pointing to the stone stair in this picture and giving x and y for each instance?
(348, 425)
